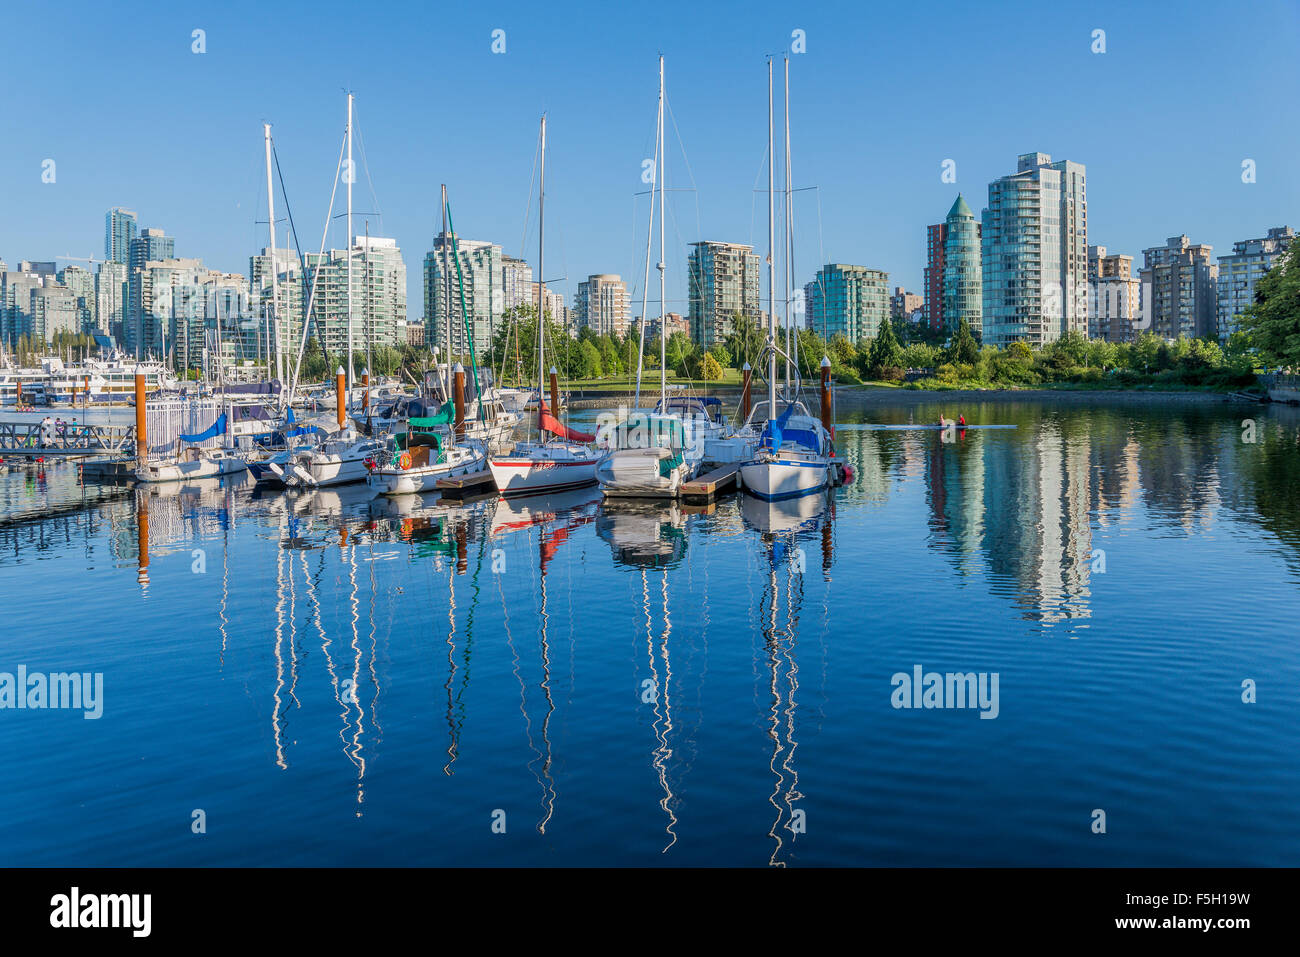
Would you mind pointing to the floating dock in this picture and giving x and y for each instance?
(465, 486)
(711, 484)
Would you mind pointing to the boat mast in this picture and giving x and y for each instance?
(661, 151)
(446, 298)
(351, 176)
(275, 288)
(789, 231)
(541, 284)
(771, 252)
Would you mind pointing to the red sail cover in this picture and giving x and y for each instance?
(553, 425)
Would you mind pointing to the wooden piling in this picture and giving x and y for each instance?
(458, 391)
(555, 393)
(747, 375)
(828, 418)
(340, 397)
(141, 438)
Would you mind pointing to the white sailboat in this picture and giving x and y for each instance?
(794, 451)
(649, 458)
(563, 460)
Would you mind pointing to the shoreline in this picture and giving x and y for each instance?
(854, 397)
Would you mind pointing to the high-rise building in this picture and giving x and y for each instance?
(291, 290)
(119, 231)
(1034, 252)
(482, 273)
(516, 283)
(1178, 289)
(962, 281)
(378, 295)
(1241, 269)
(936, 237)
(905, 305)
(554, 307)
(151, 245)
(112, 297)
(723, 281)
(848, 301)
(16, 288)
(1114, 296)
(53, 311)
(81, 283)
(601, 305)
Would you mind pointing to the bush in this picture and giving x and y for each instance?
(889, 373)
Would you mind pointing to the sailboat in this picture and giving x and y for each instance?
(794, 452)
(565, 460)
(649, 457)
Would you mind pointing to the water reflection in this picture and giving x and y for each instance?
(313, 586)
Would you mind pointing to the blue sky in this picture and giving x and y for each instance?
(884, 94)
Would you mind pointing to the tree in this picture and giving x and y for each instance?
(885, 352)
(1020, 352)
(1272, 323)
(710, 369)
(964, 348)
(585, 363)
(745, 342)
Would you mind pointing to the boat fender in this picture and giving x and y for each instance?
(848, 474)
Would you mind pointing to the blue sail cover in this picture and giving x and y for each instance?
(217, 428)
(774, 431)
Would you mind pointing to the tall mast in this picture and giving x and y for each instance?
(446, 294)
(541, 277)
(351, 176)
(369, 326)
(789, 230)
(275, 287)
(771, 251)
(661, 151)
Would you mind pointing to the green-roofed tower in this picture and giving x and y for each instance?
(963, 288)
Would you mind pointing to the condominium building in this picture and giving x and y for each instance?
(111, 299)
(1241, 269)
(601, 305)
(936, 236)
(119, 231)
(378, 305)
(291, 290)
(516, 283)
(554, 307)
(723, 281)
(1178, 289)
(905, 305)
(81, 283)
(482, 276)
(1034, 253)
(1114, 297)
(962, 280)
(848, 301)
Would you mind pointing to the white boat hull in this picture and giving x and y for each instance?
(528, 476)
(635, 473)
(784, 477)
(396, 481)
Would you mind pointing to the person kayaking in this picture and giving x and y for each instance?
(961, 420)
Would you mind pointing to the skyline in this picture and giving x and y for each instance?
(879, 186)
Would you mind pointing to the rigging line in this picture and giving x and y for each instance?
(690, 173)
(365, 164)
(311, 299)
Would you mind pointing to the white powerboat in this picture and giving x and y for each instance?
(193, 463)
(339, 459)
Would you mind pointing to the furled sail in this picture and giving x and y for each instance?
(217, 428)
(549, 423)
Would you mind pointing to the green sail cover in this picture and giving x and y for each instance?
(444, 416)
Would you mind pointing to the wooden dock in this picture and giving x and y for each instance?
(463, 486)
(713, 483)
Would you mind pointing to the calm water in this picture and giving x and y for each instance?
(335, 679)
